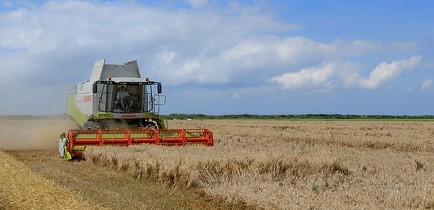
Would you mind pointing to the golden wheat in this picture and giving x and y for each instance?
(20, 188)
(287, 165)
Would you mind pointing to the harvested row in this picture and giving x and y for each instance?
(20, 188)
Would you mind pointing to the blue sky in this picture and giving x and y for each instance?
(226, 57)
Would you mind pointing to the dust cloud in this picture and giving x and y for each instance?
(32, 133)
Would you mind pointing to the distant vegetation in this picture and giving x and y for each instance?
(181, 116)
(302, 117)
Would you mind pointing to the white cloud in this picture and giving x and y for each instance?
(387, 71)
(307, 78)
(426, 85)
(344, 74)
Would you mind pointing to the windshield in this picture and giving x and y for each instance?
(128, 98)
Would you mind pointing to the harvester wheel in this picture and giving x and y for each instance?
(91, 125)
(151, 125)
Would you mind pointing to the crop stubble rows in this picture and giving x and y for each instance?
(294, 164)
(21, 188)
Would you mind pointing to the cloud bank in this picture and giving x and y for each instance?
(343, 75)
(233, 46)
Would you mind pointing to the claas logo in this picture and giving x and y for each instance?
(87, 98)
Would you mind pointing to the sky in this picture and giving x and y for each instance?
(226, 57)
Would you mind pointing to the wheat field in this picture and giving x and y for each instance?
(294, 164)
(21, 188)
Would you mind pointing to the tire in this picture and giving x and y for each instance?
(91, 125)
(152, 125)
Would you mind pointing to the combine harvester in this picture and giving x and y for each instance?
(118, 107)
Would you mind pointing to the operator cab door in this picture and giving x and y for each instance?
(153, 97)
(104, 92)
(149, 97)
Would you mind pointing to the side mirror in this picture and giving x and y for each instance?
(159, 88)
(94, 89)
